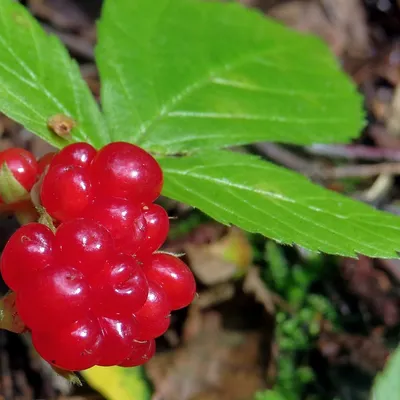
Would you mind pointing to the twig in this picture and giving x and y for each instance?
(284, 157)
(319, 171)
(215, 295)
(379, 189)
(354, 152)
(392, 267)
(253, 284)
(74, 43)
(361, 171)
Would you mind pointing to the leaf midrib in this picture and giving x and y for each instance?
(283, 222)
(266, 193)
(169, 105)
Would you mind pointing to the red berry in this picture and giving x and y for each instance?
(77, 154)
(174, 276)
(141, 352)
(28, 251)
(94, 293)
(120, 287)
(127, 171)
(153, 318)
(84, 244)
(44, 162)
(22, 164)
(118, 335)
(65, 192)
(157, 227)
(73, 347)
(124, 220)
(56, 296)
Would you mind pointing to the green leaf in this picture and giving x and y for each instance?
(116, 383)
(269, 395)
(387, 383)
(183, 75)
(38, 80)
(11, 190)
(243, 190)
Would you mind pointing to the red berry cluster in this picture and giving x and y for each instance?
(94, 292)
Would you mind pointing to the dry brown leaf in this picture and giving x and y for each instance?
(341, 23)
(215, 295)
(213, 363)
(254, 285)
(222, 260)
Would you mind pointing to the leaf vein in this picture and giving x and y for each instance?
(276, 118)
(264, 89)
(269, 215)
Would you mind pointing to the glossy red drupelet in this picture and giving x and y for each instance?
(122, 218)
(94, 292)
(85, 244)
(120, 287)
(74, 346)
(154, 317)
(141, 353)
(28, 251)
(58, 293)
(174, 276)
(66, 192)
(157, 227)
(77, 154)
(44, 161)
(128, 171)
(118, 336)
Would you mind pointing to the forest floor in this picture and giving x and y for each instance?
(311, 326)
